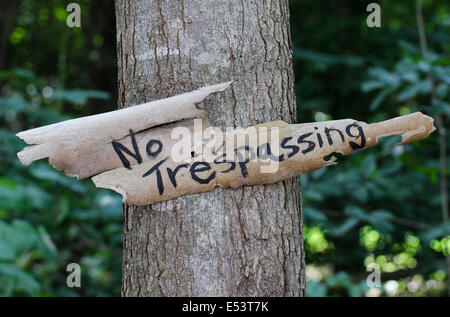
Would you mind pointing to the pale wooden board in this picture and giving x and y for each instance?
(133, 150)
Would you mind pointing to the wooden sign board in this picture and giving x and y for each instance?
(166, 148)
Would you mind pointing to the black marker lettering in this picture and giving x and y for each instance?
(223, 161)
(149, 146)
(159, 179)
(330, 140)
(294, 148)
(319, 137)
(311, 146)
(264, 152)
(242, 161)
(120, 148)
(361, 135)
(173, 173)
(206, 167)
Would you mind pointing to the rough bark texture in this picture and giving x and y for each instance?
(244, 242)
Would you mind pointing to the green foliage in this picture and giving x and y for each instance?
(48, 220)
(338, 284)
(409, 82)
(381, 205)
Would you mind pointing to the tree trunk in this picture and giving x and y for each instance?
(227, 242)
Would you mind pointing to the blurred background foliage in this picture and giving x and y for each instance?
(380, 206)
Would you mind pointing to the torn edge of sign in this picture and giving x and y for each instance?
(136, 188)
(73, 145)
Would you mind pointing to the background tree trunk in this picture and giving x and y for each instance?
(243, 242)
(8, 15)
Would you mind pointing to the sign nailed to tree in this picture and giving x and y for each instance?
(166, 148)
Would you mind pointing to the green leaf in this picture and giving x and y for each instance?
(410, 76)
(437, 231)
(443, 61)
(315, 289)
(379, 98)
(46, 245)
(20, 280)
(339, 279)
(368, 165)
(10, 197)
(314, 214)
(19, 235)
(6, 251)
(15, 103)
(44, 171)
(358, 290)
(424, 66)
(371, 85)
(18, 72)
(80, 96)
(408, 47)
(390, 79)
(313, 194)
(380, 220)
(411, 91)
(442, 90)
(345, 227)
(361, 193)
(355, 212)
(328, 59)
(36, 197)
(387, 143)
(440, 107)
(381, 214)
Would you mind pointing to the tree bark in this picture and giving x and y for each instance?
(227, 242)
